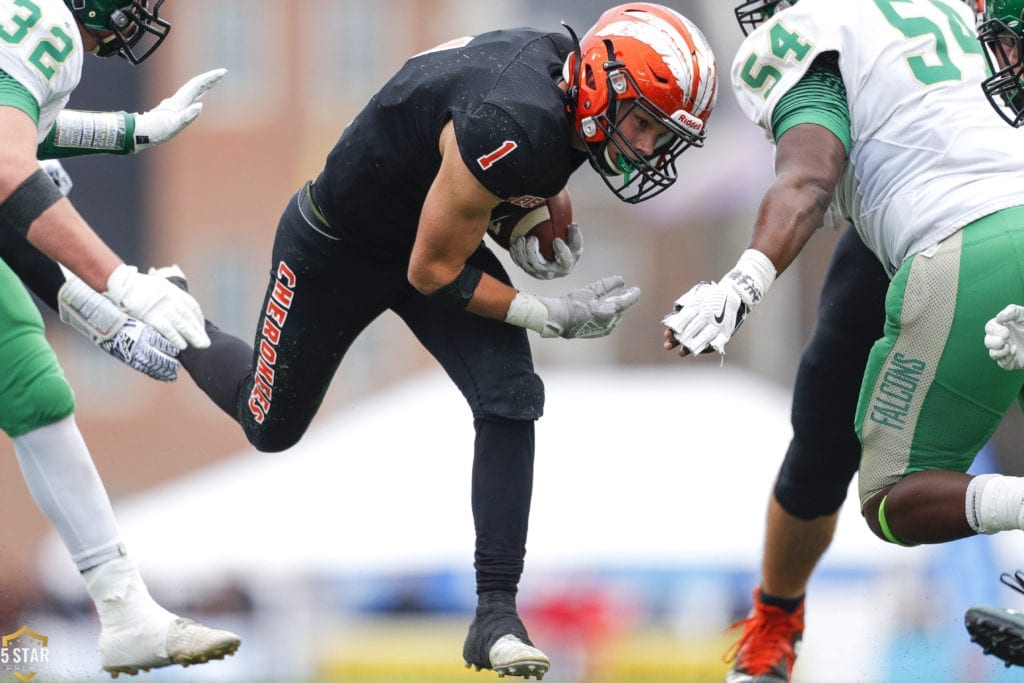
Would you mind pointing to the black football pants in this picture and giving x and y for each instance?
(824, 453)
(321, 295)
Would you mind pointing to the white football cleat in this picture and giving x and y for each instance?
(183, 641)
(512, 657)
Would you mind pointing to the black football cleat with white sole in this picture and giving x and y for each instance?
(497, 640)
(998, 630)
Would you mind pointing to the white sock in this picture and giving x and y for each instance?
(995, 503)
(63, 481)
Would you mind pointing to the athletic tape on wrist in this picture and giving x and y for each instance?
(110, 131)
(527, 311)
(29, 200)
(752, 275)
(459, 291)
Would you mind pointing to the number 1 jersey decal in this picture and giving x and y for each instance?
(488, 160)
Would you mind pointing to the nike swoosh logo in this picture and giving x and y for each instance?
(721, 316)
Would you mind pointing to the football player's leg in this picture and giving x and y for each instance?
(823, 455)
(820, 462)
(320, 296)
(36, 410)
(931, 396)
(492, 365)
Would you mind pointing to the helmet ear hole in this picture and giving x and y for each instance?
(588, 76)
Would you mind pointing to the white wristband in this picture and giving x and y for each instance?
(527, 311)
(751, 277)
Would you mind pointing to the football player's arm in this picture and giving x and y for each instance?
(808, 162)
(31, 206)
(812, 131)
(452, 223)
(78, 133)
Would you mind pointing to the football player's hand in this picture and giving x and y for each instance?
(707, 316)
(525, 252)
(1004, 337)
(157, 302)
(58, 175)
(170, 117)
(134, 343)
(591, 311)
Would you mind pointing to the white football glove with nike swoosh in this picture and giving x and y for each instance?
(710, 313)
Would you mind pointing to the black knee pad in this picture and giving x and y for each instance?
(518, 398)
(814, 478)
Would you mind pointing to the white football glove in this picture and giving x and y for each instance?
(134, 343)
(710, 313)
(170, 117)
(58, 175)
(157, 302)
(1004, 337)
(591, 311)
(525, 253)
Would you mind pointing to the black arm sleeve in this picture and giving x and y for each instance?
(38, 271)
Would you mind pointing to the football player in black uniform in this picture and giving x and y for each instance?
(396, 220)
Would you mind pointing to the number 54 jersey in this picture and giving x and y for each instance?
(927, 153)
(41, 48)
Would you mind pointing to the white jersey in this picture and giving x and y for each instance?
(928, 154)
(41, 48)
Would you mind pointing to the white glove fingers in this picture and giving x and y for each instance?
(193, 328)
(518, 251)
(532, 251)
(679, 320)
(198, 86)
(606, 285)
(699, 339)
(1014, 313)
(152, 338)
(575, 239)
(620, 301)
(564, 256)
(170, 333)
(189, 114)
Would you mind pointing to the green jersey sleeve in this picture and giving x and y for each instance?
(820, 98)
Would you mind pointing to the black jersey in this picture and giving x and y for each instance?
(499, 89)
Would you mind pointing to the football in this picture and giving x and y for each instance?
(544, 219)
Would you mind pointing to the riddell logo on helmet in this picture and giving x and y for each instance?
(274, 318)
(689, 121)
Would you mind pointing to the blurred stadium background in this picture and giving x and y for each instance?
(349, 557)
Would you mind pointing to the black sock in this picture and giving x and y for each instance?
(789, 605)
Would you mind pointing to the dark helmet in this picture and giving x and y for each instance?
(126, 21)
(753, 13)
(1000, 36)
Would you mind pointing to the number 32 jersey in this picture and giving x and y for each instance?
(927, 155)
(41, 48)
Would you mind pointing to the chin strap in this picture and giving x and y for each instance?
(572, 93)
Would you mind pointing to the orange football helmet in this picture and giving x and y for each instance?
(649, 56)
